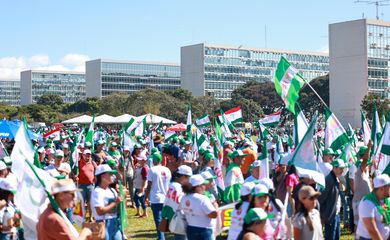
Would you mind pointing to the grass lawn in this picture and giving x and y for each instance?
(143, 228)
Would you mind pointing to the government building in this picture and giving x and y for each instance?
(216, 70)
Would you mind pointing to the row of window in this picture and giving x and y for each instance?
(127, 67)
(120, 80)
(242, 53)
(140, 73)
(75, 77)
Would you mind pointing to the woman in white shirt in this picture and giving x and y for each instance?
(105, 201)
(197, 209)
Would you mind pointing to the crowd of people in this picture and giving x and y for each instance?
(177, 180)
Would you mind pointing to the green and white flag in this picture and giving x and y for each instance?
(349, 154)
(376, 129)
(300, 125)
(288, 82)
(264, 166)
(189, 122)
(233, 182)
(305, 159)
(382, 156)
(75, 153)
(203, 121)
(139, 130)
(335, 135)
(366, 129)
(169, 135)
(131, 125)
(33, 191)
(201, 139)
(263, 132)
(352, 135)
(90, 133)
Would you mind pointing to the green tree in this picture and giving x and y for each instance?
(115, 104)
(308, 99)
(263, 93)
(88, 105)
(367, 105)
(54, 101)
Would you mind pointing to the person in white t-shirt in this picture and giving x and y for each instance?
(174, 195)
(198, 209)
(374, 216)
(105, 201)
(158, 182)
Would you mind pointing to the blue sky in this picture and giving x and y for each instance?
(63, 34)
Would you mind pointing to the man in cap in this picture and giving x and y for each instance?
(59, 165)
(158, 182)
(330, 200)
(128, 169)
(228, 147)
(255, 171)
(234, 178)
(158, 142)
(99, 153)
(374, 211)
(328, 155)
(186, 156)
(360, 179)
(51, 225)
(86, 176)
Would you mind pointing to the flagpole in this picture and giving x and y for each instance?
(315, 92)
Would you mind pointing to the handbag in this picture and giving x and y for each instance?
(163, 226)
(98, 229)
(178, 223)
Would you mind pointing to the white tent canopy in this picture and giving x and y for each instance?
(104, 119)
(154, 119)
(80, 119)
(125, 118)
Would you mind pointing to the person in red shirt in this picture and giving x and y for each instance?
(51, 226)
(86, 177)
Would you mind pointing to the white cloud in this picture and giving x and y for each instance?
(10, 67)
(324, 49)
(74, 59)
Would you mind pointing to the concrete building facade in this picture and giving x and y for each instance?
(34, 83)
(359, 53)
(216, 70)
(105, 77)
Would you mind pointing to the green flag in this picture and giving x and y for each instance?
(288, 82)
(89, 137)
(376, 130)
(335, 135)
(123, 214)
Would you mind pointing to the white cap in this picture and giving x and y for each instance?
(59, 153)
(228, 143)
(2, 165)
(126, 148)
(114, 144)
(50, 151)
(103, 168)
(246, 188)
(87, 151)
(8, 184)
(65, 145)
(184, 170)
(260, 190)
(267, 182)
(381, 180)
(63, 185)
(256, 163)
(207, 175)
(197, 180)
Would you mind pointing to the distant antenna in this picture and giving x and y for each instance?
(377, 4)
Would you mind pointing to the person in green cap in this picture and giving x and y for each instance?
(234, 178)
(360, 183)
(254, 224)
(328, 155)
(156, 191)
